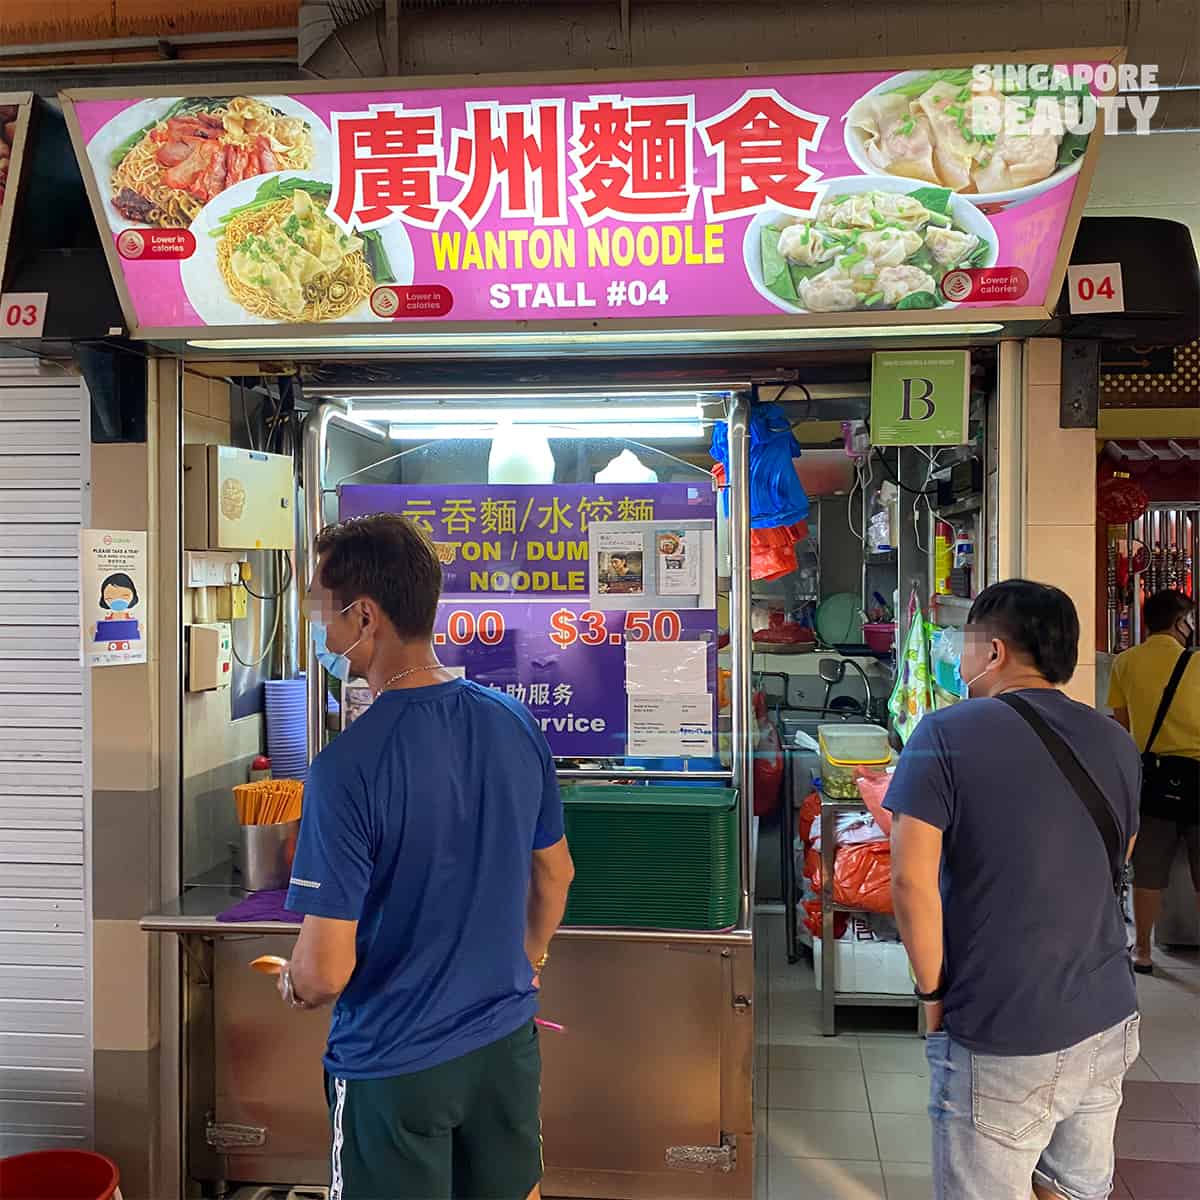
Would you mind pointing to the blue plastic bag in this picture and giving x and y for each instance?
(776, 495)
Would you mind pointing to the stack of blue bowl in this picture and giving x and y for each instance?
(287, 727)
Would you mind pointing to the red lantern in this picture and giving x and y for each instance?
(1119, 500)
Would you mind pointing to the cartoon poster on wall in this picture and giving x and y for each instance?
(113, 590)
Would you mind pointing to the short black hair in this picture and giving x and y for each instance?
(121, 580)
(1164, 608)
(388, 558)
(1036, 620)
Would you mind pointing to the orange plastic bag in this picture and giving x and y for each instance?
(772, 551)
(872, 787)
(862, 876)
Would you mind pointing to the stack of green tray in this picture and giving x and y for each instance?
(653, 857)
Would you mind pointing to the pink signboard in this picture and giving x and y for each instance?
(775, 200)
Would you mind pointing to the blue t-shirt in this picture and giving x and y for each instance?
(1036, 956)
(420, 823)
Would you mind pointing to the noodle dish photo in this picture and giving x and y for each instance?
(267, 251)
(164, 160)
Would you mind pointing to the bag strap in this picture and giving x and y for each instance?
(1085, 786)
(1164, 704)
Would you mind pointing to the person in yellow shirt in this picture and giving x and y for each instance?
(1169, 815)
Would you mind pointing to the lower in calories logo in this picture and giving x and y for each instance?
(156, 243)
(415, 300)
(981, 285)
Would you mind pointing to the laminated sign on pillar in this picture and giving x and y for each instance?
(920, 397)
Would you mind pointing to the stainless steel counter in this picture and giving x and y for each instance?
(658, 1057)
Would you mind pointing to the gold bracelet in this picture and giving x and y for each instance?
(540, 965)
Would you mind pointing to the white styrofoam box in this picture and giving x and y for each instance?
(876, 967)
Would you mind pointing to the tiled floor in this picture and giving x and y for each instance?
(844, 1118)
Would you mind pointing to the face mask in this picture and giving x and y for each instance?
(970, 683)
(118, 605)
(338, 665)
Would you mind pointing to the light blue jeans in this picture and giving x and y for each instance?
(1002, 1123)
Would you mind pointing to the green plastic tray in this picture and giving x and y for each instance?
(653, 857)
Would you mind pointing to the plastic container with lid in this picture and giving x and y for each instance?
(845, 748)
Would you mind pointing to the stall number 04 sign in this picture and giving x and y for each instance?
(22, 314)
(1095, 287)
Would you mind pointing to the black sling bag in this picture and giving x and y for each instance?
(1170, 783)
(1084, 785)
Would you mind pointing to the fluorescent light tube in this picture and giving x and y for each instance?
(427, 340)
(600, 414)
(629, 431)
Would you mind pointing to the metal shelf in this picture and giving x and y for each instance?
(831, 997)
(873, 999)
(961, 508)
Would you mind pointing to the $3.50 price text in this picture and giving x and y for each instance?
(590, 628)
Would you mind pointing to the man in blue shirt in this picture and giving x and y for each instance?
(1020, 955)
(433, 872)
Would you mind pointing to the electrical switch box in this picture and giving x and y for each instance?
(231, 603)
(210, 657)
(236, 499)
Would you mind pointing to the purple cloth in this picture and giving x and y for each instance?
(262, 906)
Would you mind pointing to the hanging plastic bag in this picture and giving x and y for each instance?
(768, 761)
(777, 496)
(912, 697)
(772, 550)
(945, 654)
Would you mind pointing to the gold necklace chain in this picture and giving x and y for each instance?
(436, 666)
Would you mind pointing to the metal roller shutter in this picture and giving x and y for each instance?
(45, 957)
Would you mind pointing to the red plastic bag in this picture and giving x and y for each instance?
(810, 810)
(872, 787)
(812, 920)
(768, 767)
(862, 876)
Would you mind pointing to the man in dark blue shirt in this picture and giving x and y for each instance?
(433, 872)
(1003, 890)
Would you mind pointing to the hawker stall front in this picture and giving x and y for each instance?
(549, 320)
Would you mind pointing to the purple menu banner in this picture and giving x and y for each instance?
(565, 662)
(523, 539)
(515, 613)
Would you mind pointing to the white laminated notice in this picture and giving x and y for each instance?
(666, 668)
(678, 563)
(670, 726)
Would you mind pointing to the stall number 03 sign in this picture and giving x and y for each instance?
(1096, 287)
(22, 314)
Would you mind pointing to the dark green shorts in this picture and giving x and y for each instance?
(468, 1129)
